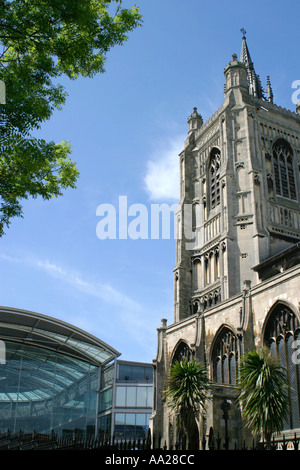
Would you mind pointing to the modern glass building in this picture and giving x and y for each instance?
(49, 374)
(126, 399)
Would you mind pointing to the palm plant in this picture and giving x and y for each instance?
(263, 393)
(186, 393)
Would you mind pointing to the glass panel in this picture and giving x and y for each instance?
(281, 352)
(141, 397)
(124, 372)
(130, 425)
(120, 418)
(105, 424)
(135, 373)
(294, 385)
(131, 396)
(141, 425)
(225, 370)
(119, 425)
(105, 400)
(283, 363)
(107, 377)
(93, 351)
(46, 390)
(149, 402)
(218, 371)
(141, 419)
(138, 373)
(232, 364)
(120, 396)
(149, 374)
(280, 333)
(130, 419)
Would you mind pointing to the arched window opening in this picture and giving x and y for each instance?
(196, 274)
(217, 264)
(176, 287)
(214, 177)
(225, 358)
(282, 330)
(283, 168)
(182, 352)
(206, 270)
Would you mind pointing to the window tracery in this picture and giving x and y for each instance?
(283, 170)
(225, 358)
(182, 352)
(214, 177)
(281, 331)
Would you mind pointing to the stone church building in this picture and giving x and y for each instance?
(237, 272)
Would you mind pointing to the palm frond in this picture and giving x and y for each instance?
(263, 392)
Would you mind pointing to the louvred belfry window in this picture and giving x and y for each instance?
(214, 178)
(283, 166)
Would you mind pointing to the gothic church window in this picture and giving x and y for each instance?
(283, 169)
(182, 352)
(214, 177)
(281, 331)
(225, 358)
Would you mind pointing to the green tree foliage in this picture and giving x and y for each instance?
(186, 393)
(263, 393)
(41, 40)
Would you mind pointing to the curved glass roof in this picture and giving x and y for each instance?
(21, 326)
(32, 373)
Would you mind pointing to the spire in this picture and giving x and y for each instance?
(255, 88)
(269, 89)
(245, 54)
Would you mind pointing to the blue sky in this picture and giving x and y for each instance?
(126, 128)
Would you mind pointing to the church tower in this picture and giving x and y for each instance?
(237, 271)
(240, 189)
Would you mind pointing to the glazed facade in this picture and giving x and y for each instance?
(49, 375)
(126, 400)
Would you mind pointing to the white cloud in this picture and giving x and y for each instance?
(128, 320)
(162, 177)
(103, 291)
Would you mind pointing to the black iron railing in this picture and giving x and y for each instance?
(37, 441)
